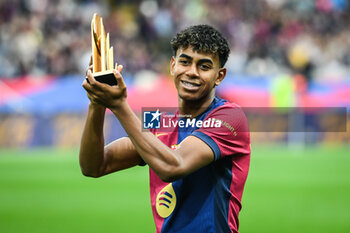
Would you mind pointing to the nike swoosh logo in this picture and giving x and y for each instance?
(161, 134)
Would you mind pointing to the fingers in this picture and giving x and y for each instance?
(93, 99)
(104, 94)
(118, 76)
(90, 77)
(120, 68)
(86, 85)
(91, 84)
(92, 93)
(99, 85)
(89, 68)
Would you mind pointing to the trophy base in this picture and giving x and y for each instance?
(106, 77)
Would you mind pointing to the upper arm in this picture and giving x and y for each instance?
(120, 154)
(206, 145)
(194, 154)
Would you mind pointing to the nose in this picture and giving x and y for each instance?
(192, 71)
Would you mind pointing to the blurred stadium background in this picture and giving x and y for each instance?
(285, 53)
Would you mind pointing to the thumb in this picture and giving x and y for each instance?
(118, 76)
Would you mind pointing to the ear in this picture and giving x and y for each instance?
(172, 65)
(221, 76)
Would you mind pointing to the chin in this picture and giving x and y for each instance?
(189, 97)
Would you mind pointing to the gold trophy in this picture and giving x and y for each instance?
(102, 54)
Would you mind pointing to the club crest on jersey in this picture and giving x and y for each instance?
(166, 201)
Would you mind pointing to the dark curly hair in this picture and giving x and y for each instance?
(203, 38)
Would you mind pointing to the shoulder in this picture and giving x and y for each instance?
(229, 134)
(230, 115)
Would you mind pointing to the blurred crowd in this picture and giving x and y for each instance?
(267, 37)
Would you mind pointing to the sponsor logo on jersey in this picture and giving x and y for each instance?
(166, 201)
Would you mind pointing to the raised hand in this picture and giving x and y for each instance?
(103, 94)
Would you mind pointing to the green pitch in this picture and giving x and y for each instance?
(288, 190)
(44, 191)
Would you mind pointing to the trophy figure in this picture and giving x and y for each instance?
(102, 53)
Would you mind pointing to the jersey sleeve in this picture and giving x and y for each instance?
(228, 134)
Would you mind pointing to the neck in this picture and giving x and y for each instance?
(195, 107)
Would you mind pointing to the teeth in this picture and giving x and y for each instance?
(189, 84)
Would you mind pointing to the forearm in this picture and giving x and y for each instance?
(155, 153)
(91, 155)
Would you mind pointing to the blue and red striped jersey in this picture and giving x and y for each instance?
(209, 199)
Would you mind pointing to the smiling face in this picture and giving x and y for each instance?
(196, 74)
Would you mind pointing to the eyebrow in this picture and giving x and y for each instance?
(204, 60)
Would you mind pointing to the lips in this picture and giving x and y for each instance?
(189, 85)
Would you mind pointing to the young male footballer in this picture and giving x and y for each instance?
(197, 171)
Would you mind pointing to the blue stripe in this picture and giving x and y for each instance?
(211, 143)
(223, 173)
(168, 194)
(164, 204)
(195, 202)
(166, 199)
(184, 132)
